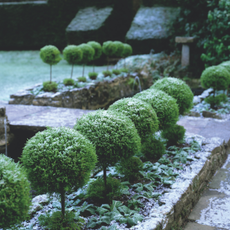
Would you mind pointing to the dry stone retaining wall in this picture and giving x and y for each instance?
(93, 97)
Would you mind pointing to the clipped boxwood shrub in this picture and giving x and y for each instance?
(116, 71)
(50, 55)
(73, 55)
(113, 134)
(50, 86)
(130, 168)
(177, 89)
(213, 101)
(216, 77)
(68, 81)
(127, 50)
(81, 79)
(164, 105)
(109, 48)
(15, 197)
(174, 134)
(92, 75)
(58, 160)
(153, 148)
(97, 190)
(97, 50)
(120, 48)
(107, 73)
(141, 114)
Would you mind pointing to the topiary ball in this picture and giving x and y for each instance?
(87, 53)
(15, 197)
(113, 134)
(92, 75)
(109, 48)
(226, 65)
(97, 49)
(216, 77)
(141, 114)
(153, 148)
(130, 168)
(127, 50)
(107, 73)
(164, 105)
(81, 79)
(50, 55)
(72, 54)
(50, 86)
(120, 48)
(174, 134)
(177, 89)
(58, 158)
(116, 71)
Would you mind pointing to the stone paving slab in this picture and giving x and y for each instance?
(195, 226)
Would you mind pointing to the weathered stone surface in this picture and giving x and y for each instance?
(211, 114)
(195, 226)
(193, 114)
(184, 39)
(151, 28)
(87, 22)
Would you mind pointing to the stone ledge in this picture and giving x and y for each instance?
(178, 202)
(93, 97)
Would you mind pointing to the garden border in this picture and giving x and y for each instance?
(173, 214)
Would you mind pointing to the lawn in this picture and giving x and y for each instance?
(23, 69)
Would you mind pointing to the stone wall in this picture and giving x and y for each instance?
(93, 97)
(4, 128)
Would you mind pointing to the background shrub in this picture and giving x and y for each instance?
(97, 49)
(141, 114)
(73, 55)
(120, 47)
(164, 105)
(50, 86)
(68, 81)
(81, 79)
(97, 190)
(15, 197)
(92, 75)
(58, 160)
(127, 50)
(130, 168)
(178, 89)
(109, 48)
(50, 55)
(113, 134)
(116, 71)
(153, 148)
(107, 73)
(174, 134)
(213, 101)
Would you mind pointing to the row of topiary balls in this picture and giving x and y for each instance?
(62, 159)
(82, 54)
(218, 78)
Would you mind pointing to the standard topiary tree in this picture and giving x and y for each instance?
(113, 134)
(109, 49)
(73, 55)
(120, 48)
(58, 160)
(164, 105)
(226, 65)
(97, 49)
(127, 51)
(50, 55)
(177, 89)
(141, 114)
(216, 77)
(88, 54)
(15, 197)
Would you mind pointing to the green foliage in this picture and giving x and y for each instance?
(58, 158)
(97, 190)
(216, 77)
(130, 168)
(97, 49)
(50, 55)
(164, 105)
(124, 70)
(68, 81)
(56, 221)
(50, 86)
(107, 73)
(113, 134)
(216, 46)
(120, 48)
(216, 100)
(116, 71)
(177, 89)
(109, 48)
(15, 197)
(81, 79)
(127, 50)
(87, 53)
(226, 65)
(174, 134)
(152, 148)
(72, 54)
(141, 114)
(92, 75)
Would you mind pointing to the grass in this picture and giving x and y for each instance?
(22, 69)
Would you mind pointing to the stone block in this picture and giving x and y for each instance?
(184, 40)
(2, 111)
